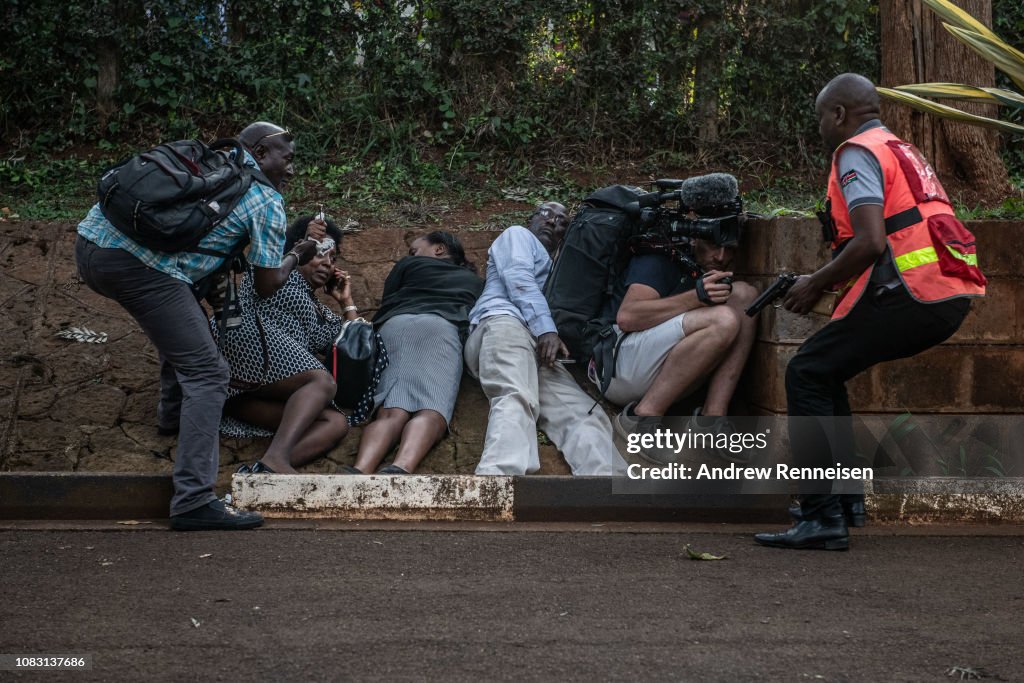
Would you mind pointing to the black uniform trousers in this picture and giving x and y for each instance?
(885, 324)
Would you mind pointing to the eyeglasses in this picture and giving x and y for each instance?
(270, 135)
(548, 213)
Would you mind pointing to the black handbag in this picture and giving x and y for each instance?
(358, 358)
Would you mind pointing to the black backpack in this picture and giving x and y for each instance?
(168, 198)
(588, 273)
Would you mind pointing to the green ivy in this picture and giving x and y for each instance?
(467, 81)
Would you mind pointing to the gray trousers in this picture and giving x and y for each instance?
(502, 353)
(193, 374)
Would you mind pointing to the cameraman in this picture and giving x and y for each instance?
(675, 334)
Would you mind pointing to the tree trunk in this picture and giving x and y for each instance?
(108, 62)
(917, 49)
(238, 29)
(707, 77)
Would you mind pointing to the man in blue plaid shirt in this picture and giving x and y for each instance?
(156, 289)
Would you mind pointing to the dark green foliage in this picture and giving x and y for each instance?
(387, 75)
(1008, 23)
(440, 85)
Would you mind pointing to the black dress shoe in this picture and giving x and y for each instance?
(854, 511)
(810, 534)
(215, 515)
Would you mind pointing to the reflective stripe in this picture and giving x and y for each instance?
(969, 259)
(918, 257)
(926, 255)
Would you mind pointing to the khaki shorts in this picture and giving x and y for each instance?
(641, 355)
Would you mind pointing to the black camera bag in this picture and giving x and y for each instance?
(168, 198)
(590, 267)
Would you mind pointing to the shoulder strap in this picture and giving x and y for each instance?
(254, 173)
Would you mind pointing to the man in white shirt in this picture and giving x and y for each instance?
(515, 351)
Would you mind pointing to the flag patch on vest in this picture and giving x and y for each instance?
(847, 178)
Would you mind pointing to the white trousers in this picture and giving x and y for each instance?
(502, 353)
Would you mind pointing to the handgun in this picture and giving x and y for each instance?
(776, 291)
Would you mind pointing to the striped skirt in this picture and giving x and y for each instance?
(425, 366)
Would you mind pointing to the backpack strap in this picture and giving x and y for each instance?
(606, 357)
(239, 154)
(249, 173)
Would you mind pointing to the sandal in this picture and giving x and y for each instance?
(259, 468)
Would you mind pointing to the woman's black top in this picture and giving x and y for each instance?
(422, 284)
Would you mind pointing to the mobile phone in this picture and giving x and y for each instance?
(331, 284)
(565, 361)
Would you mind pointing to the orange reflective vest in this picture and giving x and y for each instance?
(934, 253)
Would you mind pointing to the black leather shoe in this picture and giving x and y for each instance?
(854, 511)
(216, 516)
(809, 534)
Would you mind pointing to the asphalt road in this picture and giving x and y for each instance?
(322, 601)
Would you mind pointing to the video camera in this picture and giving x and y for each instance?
(706, 207)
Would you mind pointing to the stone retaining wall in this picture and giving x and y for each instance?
(979, 370)
(70, 406)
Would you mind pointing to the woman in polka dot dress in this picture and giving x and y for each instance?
(278, 384)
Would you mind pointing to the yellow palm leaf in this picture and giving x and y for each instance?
(958, 91)
(1007, 59)
(958, 17)
(946, 112)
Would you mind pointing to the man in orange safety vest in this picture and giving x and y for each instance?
(905, 269)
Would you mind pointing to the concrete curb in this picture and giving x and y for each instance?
(948, 499)
(582, 499)
(83, 495)
(405, 497)
(592, 499)
(73, 495)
